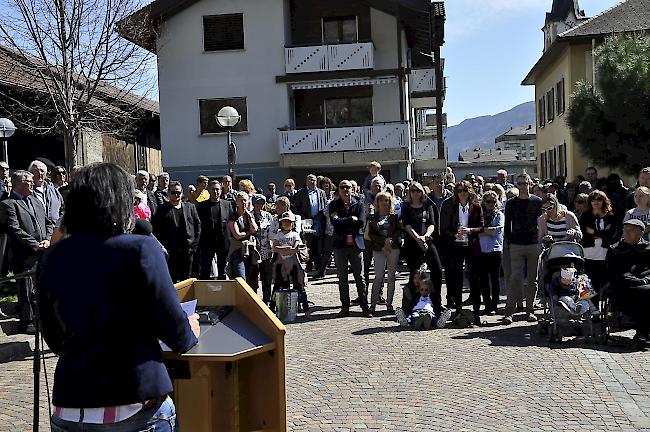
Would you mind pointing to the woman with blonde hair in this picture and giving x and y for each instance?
(247, 186)
(385, 232)
(556, 223)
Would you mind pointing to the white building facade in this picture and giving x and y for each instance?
(322, 86)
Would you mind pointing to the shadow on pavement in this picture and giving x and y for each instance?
(522, 336)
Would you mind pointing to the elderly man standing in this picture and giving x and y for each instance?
(23, 218)
(141, 183)
(309, 203)
(502, 179)
(46, 192)
(160, 194)
(348, 218)
(227, 192)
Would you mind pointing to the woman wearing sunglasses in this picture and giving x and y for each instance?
(598, 226)
(491, 240)
(420, 218)
(556, 223)
(461, 220)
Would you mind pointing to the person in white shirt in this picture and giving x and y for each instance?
(423, 317)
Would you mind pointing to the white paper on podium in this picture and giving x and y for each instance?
(189, 307)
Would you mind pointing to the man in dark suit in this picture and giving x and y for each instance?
(23, 219)
(309, 203)
(177, 226)
(214, 214)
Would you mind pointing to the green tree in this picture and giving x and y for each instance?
(611, 123)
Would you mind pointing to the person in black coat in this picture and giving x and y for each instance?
(106, 300)
(309, 203)
(214, 214)
(177, 226)
(23, 219)
(461, 220)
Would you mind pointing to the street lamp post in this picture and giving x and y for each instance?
(7, 129)
(228, 118)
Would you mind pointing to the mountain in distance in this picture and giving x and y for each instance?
(481, 131)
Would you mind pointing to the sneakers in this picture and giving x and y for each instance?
(531, 318)
(507, 320)
(401, 318)
(443, 318)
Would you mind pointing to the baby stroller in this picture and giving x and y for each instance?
(555, 320)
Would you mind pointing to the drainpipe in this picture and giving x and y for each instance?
(593, 61)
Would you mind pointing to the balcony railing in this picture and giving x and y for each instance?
(425, 149)
(323, 58)
(375, 137)
(422, 80)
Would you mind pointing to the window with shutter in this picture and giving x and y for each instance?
(208, 109)
(541, 109)
(550, 104)
(223, 32)
(563, 99)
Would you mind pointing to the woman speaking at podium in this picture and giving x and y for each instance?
(106, 299)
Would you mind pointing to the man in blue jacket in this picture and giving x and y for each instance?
(348, 218)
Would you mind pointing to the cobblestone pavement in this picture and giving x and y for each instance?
(366, 374)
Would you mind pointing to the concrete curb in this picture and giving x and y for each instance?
(16, 350)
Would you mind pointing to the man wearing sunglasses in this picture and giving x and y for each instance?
(348, 218)
(521, 235)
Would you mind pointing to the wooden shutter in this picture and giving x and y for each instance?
(223, 32)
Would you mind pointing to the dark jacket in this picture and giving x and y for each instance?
(343, 223)
(152, 202)
(588, 220)
(429, 217)
(214, 220)
(394, 232)
(449, 222)
(26, 225)
(521, 220)
(623, 259)
(302, 206)
(165, 227)
(160, 196)
(104, 304)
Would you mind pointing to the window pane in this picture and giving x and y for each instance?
(330, 31)
(336, 112)
(361, 110)
(349, 30)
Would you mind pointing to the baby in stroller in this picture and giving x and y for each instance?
(573, 291)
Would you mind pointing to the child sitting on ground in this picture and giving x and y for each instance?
(423, 317)
(286, 263)
(573, 293)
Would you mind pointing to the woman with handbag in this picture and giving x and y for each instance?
(384, 231)
(419, 221)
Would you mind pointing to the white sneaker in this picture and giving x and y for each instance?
(443, 318)
(401, 318)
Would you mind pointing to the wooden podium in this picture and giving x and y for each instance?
(234, 378)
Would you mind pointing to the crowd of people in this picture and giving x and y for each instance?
(447, 229)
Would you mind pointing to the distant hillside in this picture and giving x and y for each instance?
(481, 131)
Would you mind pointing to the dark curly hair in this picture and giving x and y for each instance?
(100, 201)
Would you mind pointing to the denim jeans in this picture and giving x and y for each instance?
(353, 256)
(156, 419)
(240, 266)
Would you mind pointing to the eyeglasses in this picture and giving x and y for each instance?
(345, 187)
(598, 198)
(462, 190)
(175, 192)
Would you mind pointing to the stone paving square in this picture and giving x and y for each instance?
(367, 374)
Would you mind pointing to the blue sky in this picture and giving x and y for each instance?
(490, 45)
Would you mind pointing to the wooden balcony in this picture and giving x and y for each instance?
(361, 138)
(324, 58)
